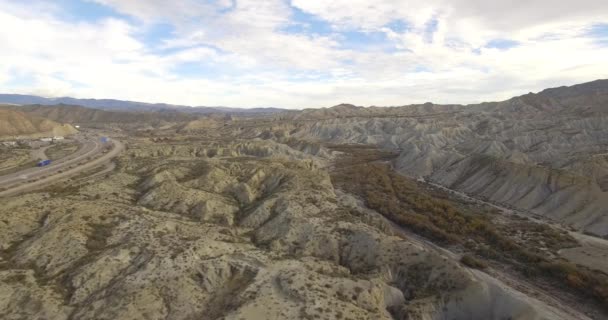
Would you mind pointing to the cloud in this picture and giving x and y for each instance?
(493, 15)
(161, 10)
(303, 53)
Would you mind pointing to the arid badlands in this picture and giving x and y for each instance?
(496, 210)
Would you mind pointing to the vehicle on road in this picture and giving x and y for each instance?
(43, 163)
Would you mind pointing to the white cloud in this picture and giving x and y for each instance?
(504, 16)
(256, 62)
(162, 10)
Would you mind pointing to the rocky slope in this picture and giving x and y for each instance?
(546, 153)
(17, 124)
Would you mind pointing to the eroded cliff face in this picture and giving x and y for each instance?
(546, 153)
(256, 231)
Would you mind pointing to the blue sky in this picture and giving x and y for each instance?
(299, 53)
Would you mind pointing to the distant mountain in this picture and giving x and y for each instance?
(103, 104)
(23, 99)
(245, 110)
(123, 105)
(583, 99)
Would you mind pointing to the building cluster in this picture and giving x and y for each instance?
(53, 139)
(33, 143)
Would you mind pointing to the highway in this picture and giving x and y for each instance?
(90, 155)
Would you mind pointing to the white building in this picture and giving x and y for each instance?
(58, 138)
(9, 143)
(46, 139)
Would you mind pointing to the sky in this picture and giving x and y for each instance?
(300, 53)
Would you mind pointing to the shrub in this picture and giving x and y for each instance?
(472, 262)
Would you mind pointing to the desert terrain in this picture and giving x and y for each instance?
(489, 211)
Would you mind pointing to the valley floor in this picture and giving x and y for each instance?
(520, 251)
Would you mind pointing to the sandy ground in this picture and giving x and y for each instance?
(593, 252)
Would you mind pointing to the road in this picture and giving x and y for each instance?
(90, 148)
(33, 178)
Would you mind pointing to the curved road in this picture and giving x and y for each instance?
(14, 183)
(90, 147)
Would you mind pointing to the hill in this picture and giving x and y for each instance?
(14, 123)
(80, 115)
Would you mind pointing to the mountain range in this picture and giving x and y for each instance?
(124, 105)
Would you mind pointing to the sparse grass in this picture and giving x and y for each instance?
(61, 150)
(15, 278)
(61, 189)
(15, 159)
(583, 280)
(399, 199)
(99, 233)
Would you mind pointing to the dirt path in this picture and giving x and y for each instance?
(592, 252)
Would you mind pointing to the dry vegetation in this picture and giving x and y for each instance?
(472, 262)
(61, 150)
(360, 171)
(14, 159)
